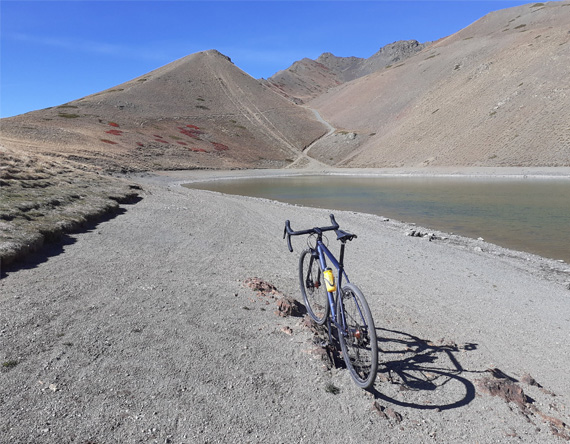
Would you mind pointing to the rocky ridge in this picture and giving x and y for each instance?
(307, 78)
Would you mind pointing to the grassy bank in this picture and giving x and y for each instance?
(43, 198)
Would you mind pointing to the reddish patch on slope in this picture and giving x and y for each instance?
(192, 126)
(182, 143)
(140, 144)
(220, 146)
(161, 140)
(198, 150)
(114, 132)
(194, 133)
(108, 141)
(116, 125)
(156, 135)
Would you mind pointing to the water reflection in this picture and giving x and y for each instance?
(523, 214)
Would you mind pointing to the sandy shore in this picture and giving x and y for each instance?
(179, 177)
(142, 330)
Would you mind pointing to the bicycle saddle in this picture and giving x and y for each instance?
(343, 236)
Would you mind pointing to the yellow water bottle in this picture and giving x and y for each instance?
(329, 280)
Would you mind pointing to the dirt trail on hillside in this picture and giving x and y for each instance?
(247, 107)
(305, 161)
(143, 330)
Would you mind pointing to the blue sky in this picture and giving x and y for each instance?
(52, 52)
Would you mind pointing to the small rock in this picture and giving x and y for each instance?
(527, 379)
(393, 414)
(503, 388)
(387, 412)
(307, 322)
(383, 377)
(287, 331)
(263, 289)
(380, 409)
(287, 306)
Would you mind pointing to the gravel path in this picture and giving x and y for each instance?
(142, 331)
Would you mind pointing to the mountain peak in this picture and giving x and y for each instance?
(216, 53)
(307, 78)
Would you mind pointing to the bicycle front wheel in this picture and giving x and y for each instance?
(358, 340)
(313, 286)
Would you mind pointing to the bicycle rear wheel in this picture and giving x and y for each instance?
(358, 342)
(313, 286)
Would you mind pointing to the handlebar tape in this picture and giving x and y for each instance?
(287, 232)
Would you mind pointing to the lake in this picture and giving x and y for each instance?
(522, 214)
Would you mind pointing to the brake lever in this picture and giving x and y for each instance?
(333, 221)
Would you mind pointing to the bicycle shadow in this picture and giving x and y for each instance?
(423, 375)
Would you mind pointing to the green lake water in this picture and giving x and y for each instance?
(523, 214)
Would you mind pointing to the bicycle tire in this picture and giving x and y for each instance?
(359, 346)
(313, 287)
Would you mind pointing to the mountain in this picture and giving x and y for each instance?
(198, 112)
(496, 93)
(307, 78)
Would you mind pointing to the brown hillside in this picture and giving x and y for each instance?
(496, 93)
(198, 112)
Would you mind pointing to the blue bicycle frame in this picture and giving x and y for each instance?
(323, 251)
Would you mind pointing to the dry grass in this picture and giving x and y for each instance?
(42, 199)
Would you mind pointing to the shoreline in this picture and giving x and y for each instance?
(192, 176)
(180, 178)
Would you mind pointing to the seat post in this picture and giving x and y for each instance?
(341, 262)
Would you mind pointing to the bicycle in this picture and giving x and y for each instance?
(342, 306)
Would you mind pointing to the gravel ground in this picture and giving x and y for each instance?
(141, 330)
